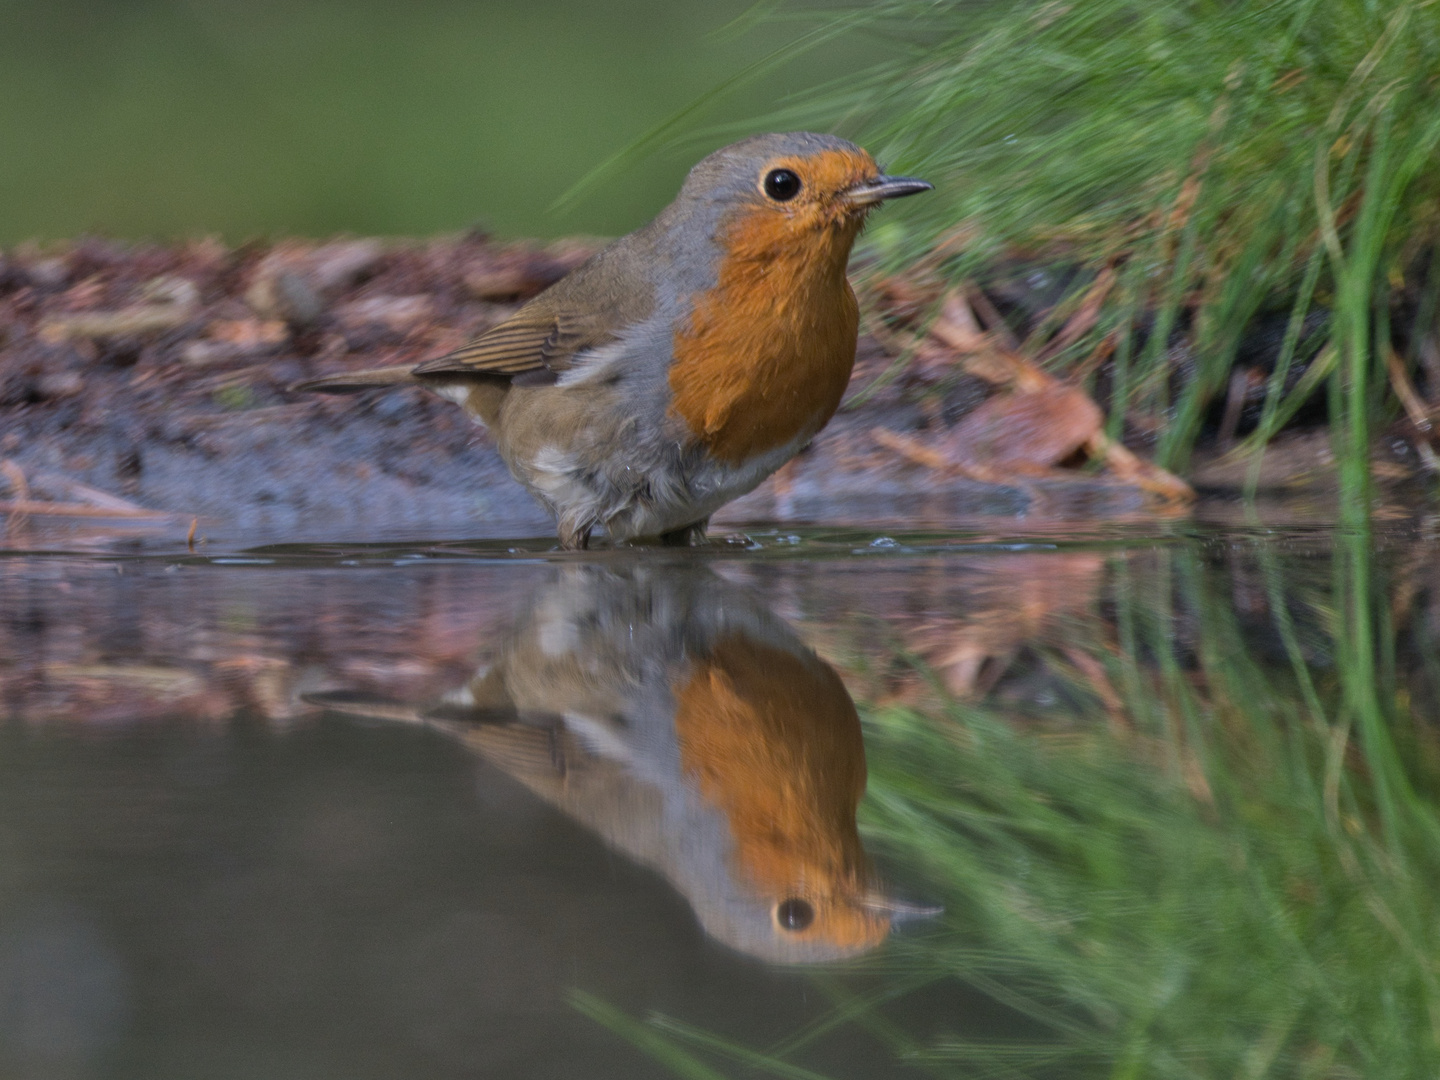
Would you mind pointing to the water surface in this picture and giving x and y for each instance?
(477, 808)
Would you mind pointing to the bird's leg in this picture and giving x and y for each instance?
(692, 535)
(575, 535)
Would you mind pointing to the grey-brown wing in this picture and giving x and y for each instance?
(588, 309)
(528, 342)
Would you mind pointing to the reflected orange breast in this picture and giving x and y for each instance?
(772, 739)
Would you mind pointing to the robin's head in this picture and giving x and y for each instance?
(794, 183)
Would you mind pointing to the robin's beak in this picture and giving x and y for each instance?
(899, 911)
(879, 188)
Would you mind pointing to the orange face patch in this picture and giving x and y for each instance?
(823, 179)
(767, 353)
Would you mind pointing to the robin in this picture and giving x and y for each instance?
(685, 362)
(672, 714)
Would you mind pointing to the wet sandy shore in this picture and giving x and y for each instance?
(154, 379)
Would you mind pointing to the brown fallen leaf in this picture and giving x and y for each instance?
(518, 273)
(1086, 315)
(1005, 367)
(957, 328)
(1098, 355)
(152, 678)
(106, 693)
(399, 313)
(903, 299)
(15, 475)
(74, 490)
(1292, 460)
(204, 353)
(1023, 431)
(503, 283)
(994, 322)
(1145, 475)
(1030, 600)
(261, 683)
(1093, 672)
(1416, 410)
(295, 282)
(169, 302)
(909, 447)
(130, 322)
(42, 508)
(248, 333)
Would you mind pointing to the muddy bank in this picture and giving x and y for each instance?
(148, 384)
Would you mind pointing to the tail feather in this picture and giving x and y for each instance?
(366, 706)
(453, 717)
(353, 381)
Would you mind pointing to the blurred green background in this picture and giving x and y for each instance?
(164, 118)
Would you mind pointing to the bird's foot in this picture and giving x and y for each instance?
(692, 535)
(575, 536)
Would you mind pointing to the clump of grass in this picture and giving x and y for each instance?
(1257, 903)
(1231, 878)
(1225, 159)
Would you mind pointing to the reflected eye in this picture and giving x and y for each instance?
(782, 185)
(794, 914)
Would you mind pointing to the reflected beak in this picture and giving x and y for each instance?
(899, 911)
(870, 192)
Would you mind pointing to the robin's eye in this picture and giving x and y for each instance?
(782, 185)
(794, 914)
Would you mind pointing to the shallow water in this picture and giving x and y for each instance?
(477, 808)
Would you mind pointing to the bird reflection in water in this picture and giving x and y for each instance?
(672, 714)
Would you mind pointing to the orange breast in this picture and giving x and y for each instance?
(767, 353)
(772, 739)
